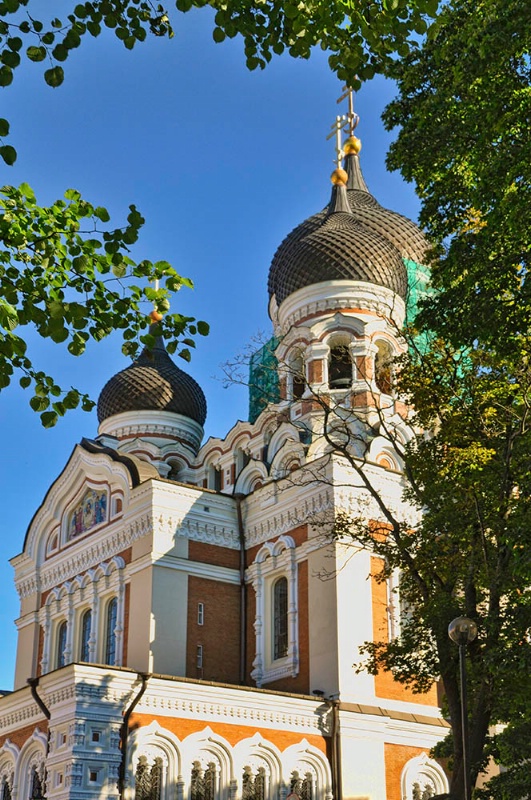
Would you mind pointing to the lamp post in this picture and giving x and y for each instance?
(462, 631)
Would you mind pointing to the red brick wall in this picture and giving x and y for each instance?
(212, 554)
(220, 633)
(396, 757)
(384, 683)
(23, 734)
(299, 536)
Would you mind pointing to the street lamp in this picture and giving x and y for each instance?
(462, 631)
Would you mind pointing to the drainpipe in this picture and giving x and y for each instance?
(335, 748)
(243, 591)
(124, 732)
(33, 683)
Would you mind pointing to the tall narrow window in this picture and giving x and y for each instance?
(340, 367)
(203, 782)
(86, 622)
(110, 636)
(253, 786)
(200, 613)
(301, 785)
(148, 779)
(5, 789)
(36, 785)
(298, 377)
(383, 367)
(280, 618)
(61, 644)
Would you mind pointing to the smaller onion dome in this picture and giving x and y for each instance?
(153, 383)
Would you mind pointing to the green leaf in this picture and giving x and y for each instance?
(49, 419)
(203, 328)
(54, 76)
(6, 76)
(36, 53)
(25, 381)
(218, 35)
(8, 316)
(8, 153)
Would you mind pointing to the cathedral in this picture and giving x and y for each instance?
(188, 628)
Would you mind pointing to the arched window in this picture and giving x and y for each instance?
(61, 644)
(280, 618)
(213, 478)
(84, 649)
(203, 782)
(301, 785)
(5, 789)
(297, 377)
(36, 784)
(148, 779)
(339, 367)
(253, 785)
(110, 635)
(383, 367)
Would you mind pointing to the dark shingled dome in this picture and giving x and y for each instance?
(367, 245)
(153, 383)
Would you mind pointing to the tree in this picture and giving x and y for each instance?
(65, 272)
(467, 93)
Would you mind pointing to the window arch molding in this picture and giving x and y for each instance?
(254, 472)
(291, 453)
(90, 590)
(32, 759)
(275, 560)
(424, 771)
(303, 758)
(207, 747)
(154, 741)
(9, 754)
(257, 751)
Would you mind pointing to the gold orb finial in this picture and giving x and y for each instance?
(339, 177)
(155, 316)
(352, 146)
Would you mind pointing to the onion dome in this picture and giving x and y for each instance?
(354, 239)
(153, 383)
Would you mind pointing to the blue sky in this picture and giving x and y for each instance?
(222, 162)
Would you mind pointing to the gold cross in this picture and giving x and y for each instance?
(352, 117)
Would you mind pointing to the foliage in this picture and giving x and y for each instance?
(64, 271)
(467, 473)
(362, 38)
(468, 93)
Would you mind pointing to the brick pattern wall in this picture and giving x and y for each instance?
(396, 757)
(21, 736)
(233, 733)
(220, 633)
(385, 685)
(213, 554)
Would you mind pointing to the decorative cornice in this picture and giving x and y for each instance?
(91, 556)
(232, 712)
(276, 525)
(199, 531)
